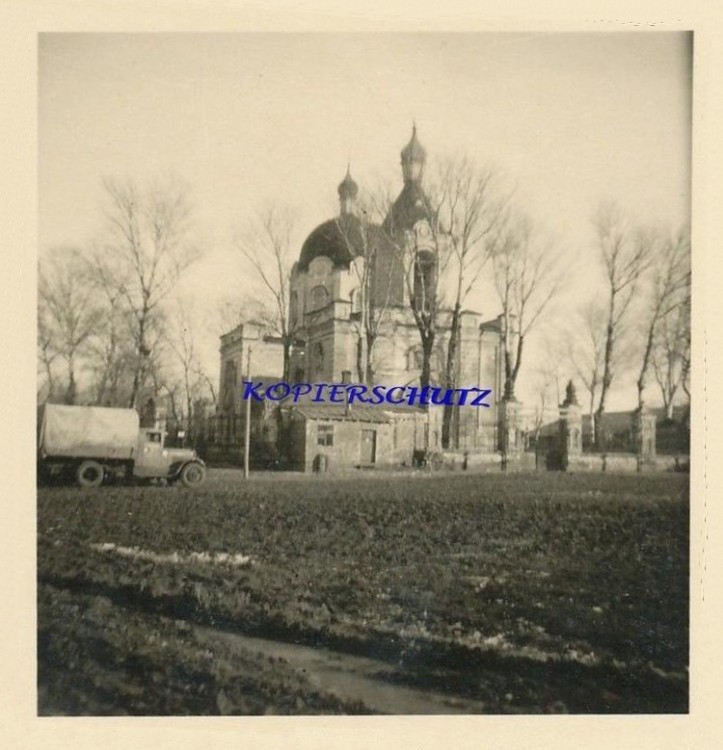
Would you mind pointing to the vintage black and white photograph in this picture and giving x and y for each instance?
(363, 373)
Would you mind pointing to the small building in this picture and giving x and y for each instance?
(329, 437)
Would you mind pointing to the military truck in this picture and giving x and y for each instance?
(91, 444)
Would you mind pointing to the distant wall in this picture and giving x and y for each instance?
(484, 462)
(625, 462)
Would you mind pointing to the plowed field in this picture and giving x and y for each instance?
(418, 594)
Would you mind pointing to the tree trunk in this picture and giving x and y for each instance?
(448, 440)
(189, 421)
(514, 370)
(136, 382)
(113, 398)
(107, 370)
(287, 358)
(100, 393)
(71, 390)
(369, 374)
(51, 383)
(647, 353)
(669, 408)
(139, 375)
(425, 377)
(605, 386)
(360, 368)
(593, 431)
(509, 389)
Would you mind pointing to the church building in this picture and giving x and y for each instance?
(355, 277)
(347, 263)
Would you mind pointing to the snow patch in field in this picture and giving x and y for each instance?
(177, 558)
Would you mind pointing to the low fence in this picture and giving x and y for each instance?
(488, 462)
(626, 462)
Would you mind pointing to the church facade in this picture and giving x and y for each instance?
(354, 277)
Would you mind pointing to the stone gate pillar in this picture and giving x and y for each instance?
(570, 427)
(643, 424)
(510, 424)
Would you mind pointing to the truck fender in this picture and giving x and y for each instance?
(175, 469)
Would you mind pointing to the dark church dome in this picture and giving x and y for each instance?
(341, 240)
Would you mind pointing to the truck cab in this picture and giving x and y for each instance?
(154, 460)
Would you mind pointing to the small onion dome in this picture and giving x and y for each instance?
(414, 151)
(347, 187)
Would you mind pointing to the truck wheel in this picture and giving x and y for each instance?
(193, 474)
(90, 474)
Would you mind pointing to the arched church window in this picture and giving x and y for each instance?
(319, 296)
(423, 235)
(355, 301)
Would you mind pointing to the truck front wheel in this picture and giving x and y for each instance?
(90, 474)
(193, 474)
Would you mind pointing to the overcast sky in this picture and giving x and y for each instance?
(258, 118)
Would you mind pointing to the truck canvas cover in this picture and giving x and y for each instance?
(88, 431)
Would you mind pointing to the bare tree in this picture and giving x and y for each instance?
(111, 351)
(67, 315)
(671, 354)
(364, 241)
(527, 276)
(149, 247)
(47, 354)
(625, 256)
(586, 351)
(266, 244)
(193, 380)
(471, 211)
(668, 290)
(547, 383)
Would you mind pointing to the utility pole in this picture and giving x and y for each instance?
(247, 421)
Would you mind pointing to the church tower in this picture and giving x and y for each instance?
(409, 227)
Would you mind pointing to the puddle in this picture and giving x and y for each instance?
(353, 678)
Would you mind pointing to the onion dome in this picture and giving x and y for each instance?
(347, 187)
(413, 158)
(414, 151)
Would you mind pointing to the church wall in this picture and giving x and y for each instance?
(389, 287)
(267, 359)
(231, 371)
